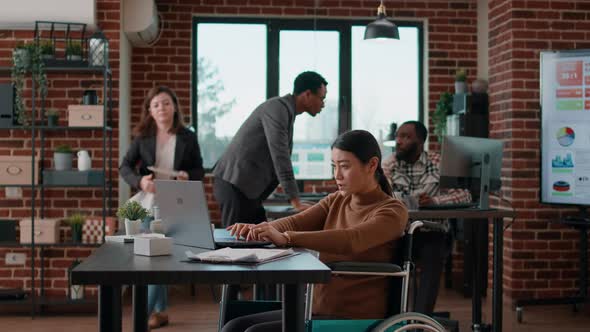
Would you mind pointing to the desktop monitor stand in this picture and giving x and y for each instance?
(484, 180)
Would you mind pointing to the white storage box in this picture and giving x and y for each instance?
(152, 245)
(46, 230)
(17, 170)
(85, 115)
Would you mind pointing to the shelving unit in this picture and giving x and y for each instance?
(39, 130)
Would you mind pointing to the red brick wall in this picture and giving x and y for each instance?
(63, 89)
(540, 257)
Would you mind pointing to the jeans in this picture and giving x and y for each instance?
(157, 294)
(157, 298)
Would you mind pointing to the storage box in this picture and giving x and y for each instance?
(152, 245)
(92, 229)
(73, 178)
(17, 170)
(7, 230)
(46, 230)
(85, 115)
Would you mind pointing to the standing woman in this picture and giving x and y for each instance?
(359, 222)
(161, 140)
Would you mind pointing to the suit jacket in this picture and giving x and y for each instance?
(259, 155)
(142, 153)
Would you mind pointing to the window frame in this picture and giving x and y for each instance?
(273, 28)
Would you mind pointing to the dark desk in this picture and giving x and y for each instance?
(114, 264)
(494, 216)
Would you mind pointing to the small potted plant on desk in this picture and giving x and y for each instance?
(133, 214)
(62, 158)
(52, 118)
(76, 221)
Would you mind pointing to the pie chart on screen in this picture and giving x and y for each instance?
(565, 136)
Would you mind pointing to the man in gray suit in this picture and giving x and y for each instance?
(259, 156)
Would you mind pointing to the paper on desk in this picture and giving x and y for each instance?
(230, 255)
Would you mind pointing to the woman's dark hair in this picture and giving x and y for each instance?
(147, 124)
(364, 146)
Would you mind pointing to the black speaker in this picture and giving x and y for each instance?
(6, 105)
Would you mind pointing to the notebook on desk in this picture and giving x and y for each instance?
(185, 217)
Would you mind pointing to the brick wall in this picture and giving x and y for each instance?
(63, 89)
(540, 257)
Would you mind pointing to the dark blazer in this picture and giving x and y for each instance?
(259, 155)
(142, 153)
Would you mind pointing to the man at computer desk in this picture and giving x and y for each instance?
(414, 176)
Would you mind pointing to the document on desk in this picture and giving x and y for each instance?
(240, 256)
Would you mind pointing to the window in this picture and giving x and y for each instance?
(242, 62)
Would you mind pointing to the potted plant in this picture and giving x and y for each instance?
(46, 50)
(133, 213)
(444, 107)
(76, 221)
(27, 57)
(62, 158)
(52, 117)
(76, 292)
(460, 81)
(74, 51)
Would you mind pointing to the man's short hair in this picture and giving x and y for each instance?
(421, 131)
(308, 80)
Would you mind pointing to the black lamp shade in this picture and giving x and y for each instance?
(381, 28)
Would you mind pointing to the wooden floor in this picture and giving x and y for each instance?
(200, 314)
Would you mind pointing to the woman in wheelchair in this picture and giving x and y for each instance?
(360, 222)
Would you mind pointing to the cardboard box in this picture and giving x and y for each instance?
(46, 230)
(152, 245)
(17, 170)
(85, 115)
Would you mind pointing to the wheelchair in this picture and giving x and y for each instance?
(400, 318)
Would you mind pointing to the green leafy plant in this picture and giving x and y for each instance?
(76, 221)
(444, 107)
(63, 149)
(132, 210)
(46, 47)
(460, 75)
(27, 57)
(74, 47)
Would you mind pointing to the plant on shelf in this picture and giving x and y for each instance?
(444, 107)
(52, 117)
(76, 221)
(46, 49)
(62, 158)
(74, 50)
(460, 81)
(133, 214)
(27, 57)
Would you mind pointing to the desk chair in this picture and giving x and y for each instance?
(400, 319)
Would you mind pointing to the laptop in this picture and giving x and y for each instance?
(185, 217)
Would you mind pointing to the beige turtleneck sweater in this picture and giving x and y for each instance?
(359, 227)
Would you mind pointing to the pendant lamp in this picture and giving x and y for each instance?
(381, 27)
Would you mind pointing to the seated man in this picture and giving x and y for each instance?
(414, 175)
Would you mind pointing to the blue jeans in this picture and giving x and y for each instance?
(157, 298)
(157, 294)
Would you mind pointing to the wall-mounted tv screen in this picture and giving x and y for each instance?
(565, 127)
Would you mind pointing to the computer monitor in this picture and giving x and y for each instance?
(471, 163)
(312, 161)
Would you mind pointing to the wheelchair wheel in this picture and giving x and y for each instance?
(409, 321)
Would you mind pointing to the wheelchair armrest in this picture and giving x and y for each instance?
(367, 267)
(434, 226)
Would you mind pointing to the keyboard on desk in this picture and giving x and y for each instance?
(448, 206)
(303, 196)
